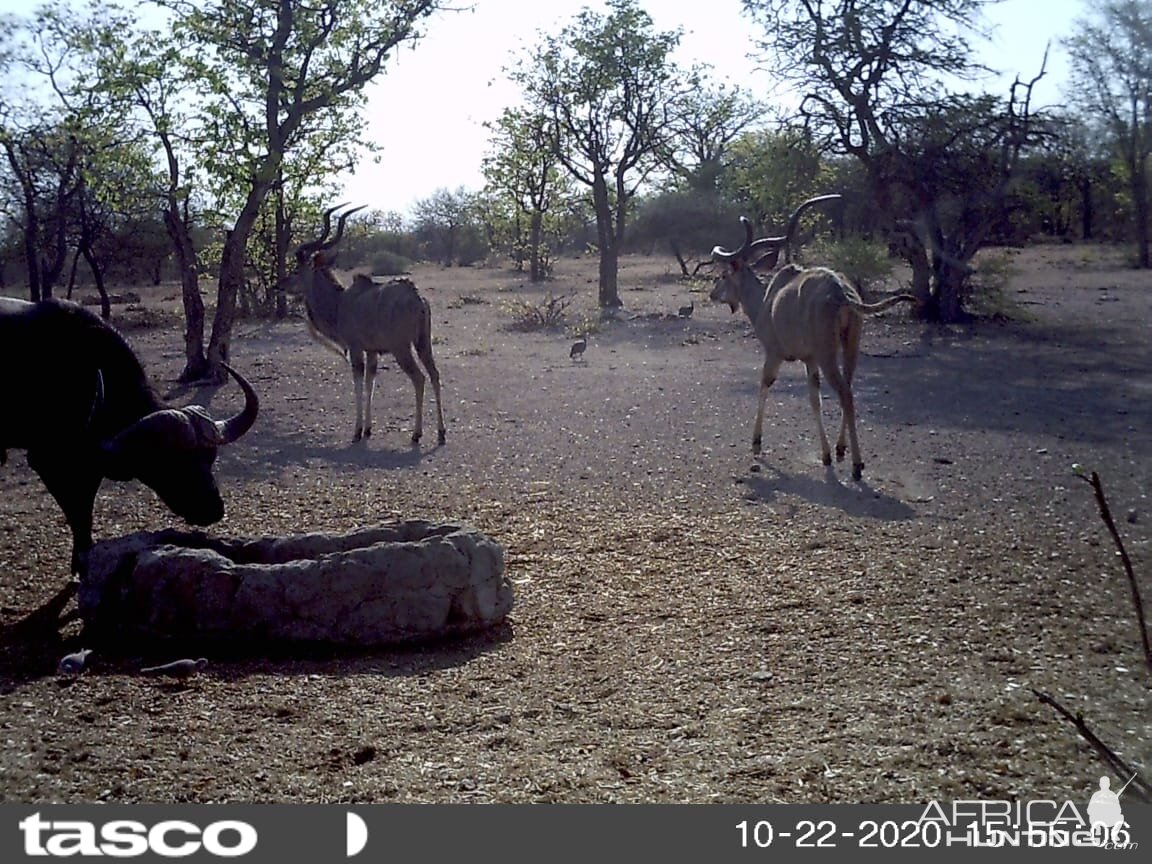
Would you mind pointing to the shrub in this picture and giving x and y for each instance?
(862, 261)
(545, 314)
(387, 263)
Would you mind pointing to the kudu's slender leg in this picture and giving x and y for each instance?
(767, 377)
(814, 398)
(425, 352)
(369, 388)
(850, 344)
(356, 358)
(407, 362)
(848, 407)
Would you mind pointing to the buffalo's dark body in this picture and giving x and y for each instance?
(76, 398)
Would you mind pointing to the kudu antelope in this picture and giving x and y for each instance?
(365, 320)
(810, 314)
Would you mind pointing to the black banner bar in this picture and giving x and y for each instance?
(258, 833)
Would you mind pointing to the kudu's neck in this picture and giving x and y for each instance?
(752, 293)
(322, 297)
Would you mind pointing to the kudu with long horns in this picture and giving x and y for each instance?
(365, 320)
(76, 398)
(810, 314)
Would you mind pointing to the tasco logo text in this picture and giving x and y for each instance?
(125, 838)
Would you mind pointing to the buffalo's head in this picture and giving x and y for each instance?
(172, 451)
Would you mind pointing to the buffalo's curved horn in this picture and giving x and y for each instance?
(190, 428)
(236, 425)
(97, 398)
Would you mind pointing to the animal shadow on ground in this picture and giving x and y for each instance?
(858, 499)
(30, 653)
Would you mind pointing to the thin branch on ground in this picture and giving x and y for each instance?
(1124, 772)
(1106, 515)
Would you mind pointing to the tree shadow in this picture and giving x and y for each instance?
(858, 499)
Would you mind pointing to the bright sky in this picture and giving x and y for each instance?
(428, 110)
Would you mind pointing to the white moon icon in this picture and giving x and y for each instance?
(357, 835)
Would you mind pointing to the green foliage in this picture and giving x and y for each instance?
(693, 221)
(448, 228)
(604, 84)
(390, 264)
(987, 286)
(863, 261)
(771, 171)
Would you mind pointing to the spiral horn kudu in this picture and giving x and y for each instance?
(323, 243)
(772, 244)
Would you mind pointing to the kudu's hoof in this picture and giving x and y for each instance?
(857, 470)
(416, 437)
(826, 458)
(756, 446)
(440, 437)
(367, 433)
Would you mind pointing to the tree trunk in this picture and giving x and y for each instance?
(72, 274)
(950, 293)
(98, 278)
(1140, 214)
(606, 239)
(281, 255)
(196, 363)
(232, 262)
(609, 267)
(535, 230)
(1086, 213)
(674, 244)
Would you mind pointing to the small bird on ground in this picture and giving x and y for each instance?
(686, 311)
(73, 664)
(578, 348)
(177, 668)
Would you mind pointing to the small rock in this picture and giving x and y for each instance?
(1132, 517)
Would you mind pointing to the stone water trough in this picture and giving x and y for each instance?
(392, 584)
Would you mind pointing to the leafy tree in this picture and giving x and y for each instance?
(269, 69)
(703, 123)
(144, 72)
(78, 171)
(523, 169)
(446, 225)
(940, 164)
(770, 170)
(1110, 63)
(605, 83)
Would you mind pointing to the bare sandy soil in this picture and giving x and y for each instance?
(692, 624)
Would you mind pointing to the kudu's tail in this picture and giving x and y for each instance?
(886, 303)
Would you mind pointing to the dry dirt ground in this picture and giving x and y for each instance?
(692, 624)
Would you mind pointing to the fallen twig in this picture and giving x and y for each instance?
(1106, 515)
(1124, 772)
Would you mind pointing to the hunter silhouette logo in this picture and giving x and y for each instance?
(1104, 809)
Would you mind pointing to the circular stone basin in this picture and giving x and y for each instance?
(390, 584)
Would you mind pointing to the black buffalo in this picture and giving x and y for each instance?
(75, 397)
